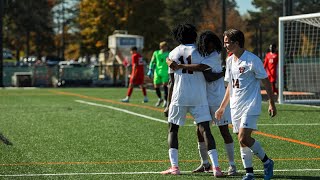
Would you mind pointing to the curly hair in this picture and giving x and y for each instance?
(185, 33)
(205, 39)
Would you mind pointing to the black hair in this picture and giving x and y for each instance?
(273, 47)
(235, 35)
(133, 48)
(205, 39)
(185, 33)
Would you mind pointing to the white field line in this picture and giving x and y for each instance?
(165, 121)
(131, 173)
(122, 110)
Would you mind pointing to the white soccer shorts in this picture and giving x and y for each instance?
(177, 114)
(246, 121)
(226, 118)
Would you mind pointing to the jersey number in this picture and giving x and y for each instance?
(235, 83)
(182, 62)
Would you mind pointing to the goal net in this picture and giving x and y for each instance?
(299, 59)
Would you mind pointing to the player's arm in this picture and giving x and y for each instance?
(272, 107)
(170, 89)
(219, 113)
(207, 72)
(152, 65)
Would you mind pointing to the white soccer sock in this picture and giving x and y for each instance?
(246, 157)
(173, 156)
(257, 150)
(230, 153)
(203, 152)
(213, 154)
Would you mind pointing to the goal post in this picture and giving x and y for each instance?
(299, 59)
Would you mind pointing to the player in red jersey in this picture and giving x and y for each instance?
(270, 65)
(137, 75)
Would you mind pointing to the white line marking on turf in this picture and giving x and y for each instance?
(164, 121)
(119, 173)
(122, 110)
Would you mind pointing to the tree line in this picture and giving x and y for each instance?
(74, 28)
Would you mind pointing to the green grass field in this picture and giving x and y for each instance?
(86, 133)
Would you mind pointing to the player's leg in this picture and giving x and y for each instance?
(173, 150)
(144, 92)
(176, 118)
(229, 147)
(247, 142)
(129, 92)
(205, 131)
(157, 83)
(205, 166)
(223, 124)
(165, 80)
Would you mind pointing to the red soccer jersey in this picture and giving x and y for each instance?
(137, 74)
(271, 64)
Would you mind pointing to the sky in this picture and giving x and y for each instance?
(244, 6)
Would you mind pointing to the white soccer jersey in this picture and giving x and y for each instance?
(244, 78)
(215, 89)
(189, 86)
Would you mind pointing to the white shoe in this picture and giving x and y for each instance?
(159, 102)
(164, 104)
(145, 100)
(126, 100)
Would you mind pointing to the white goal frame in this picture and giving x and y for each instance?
(285, 32)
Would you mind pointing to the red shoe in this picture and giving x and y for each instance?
(172, 170)
(217, 172)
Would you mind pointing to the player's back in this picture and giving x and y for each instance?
(189, 86)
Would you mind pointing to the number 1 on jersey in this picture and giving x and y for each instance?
(182, 62)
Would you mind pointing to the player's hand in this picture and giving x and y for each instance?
(166, 112)
(219, 113)
(172, 64)
(150, 73)
(272, 109)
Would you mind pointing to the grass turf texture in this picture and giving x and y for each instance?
(53, 134)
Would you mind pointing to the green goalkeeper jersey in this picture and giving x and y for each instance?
(158, 62)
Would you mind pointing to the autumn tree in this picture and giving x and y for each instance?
(30, 26)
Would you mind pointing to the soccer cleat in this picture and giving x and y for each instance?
(126, 100)
(232, 170)
(159, 102)
(164, 104)
(217, 172)
(248, 177)
(268, 170)
(203, 168)
(145, 100)
(172, 170)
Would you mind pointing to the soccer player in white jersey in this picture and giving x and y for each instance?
(187, 94)
(209, 47)
(244, 72)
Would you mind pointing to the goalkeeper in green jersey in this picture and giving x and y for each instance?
(159, 69)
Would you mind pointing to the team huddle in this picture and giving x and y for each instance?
(196, 86)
